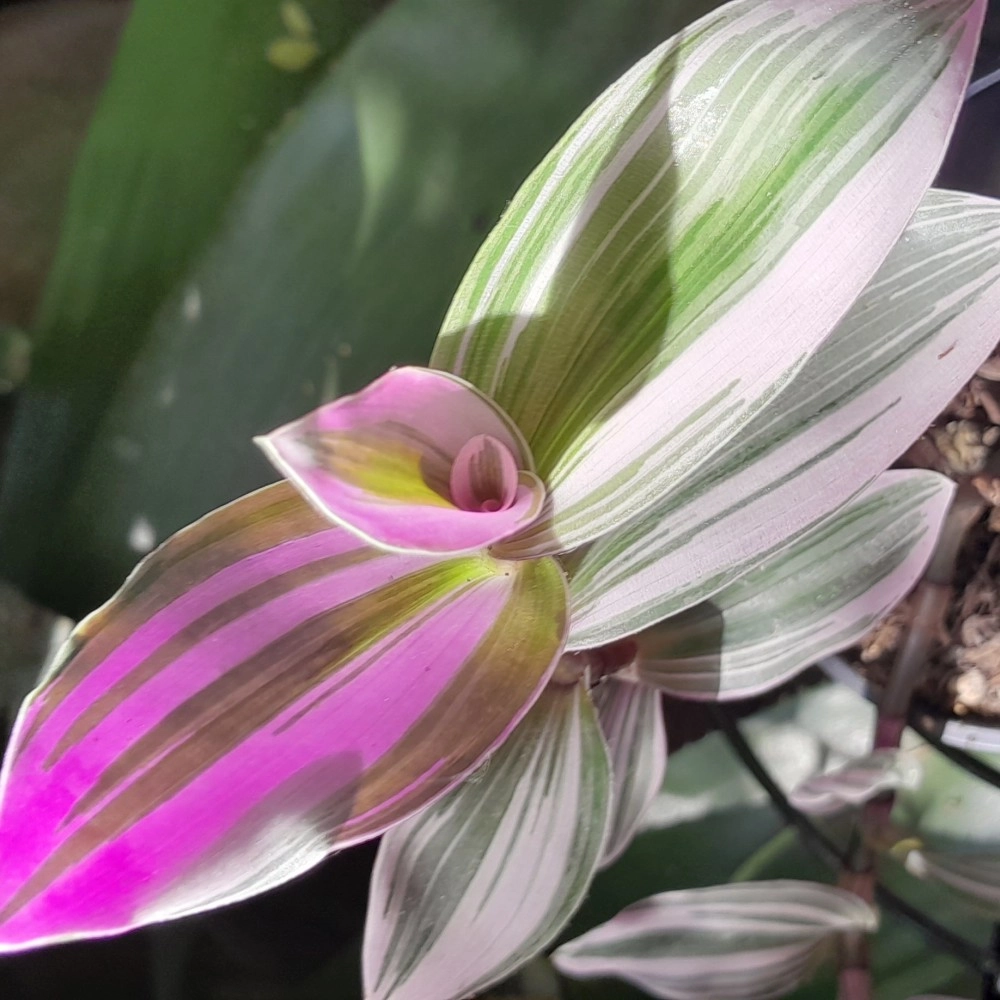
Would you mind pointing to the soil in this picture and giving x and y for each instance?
(963, 676)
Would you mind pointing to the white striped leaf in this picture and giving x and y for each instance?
(696, 235)
(910, 342)
(821, 594)
(745, 941)
(851, 784)
(631, 717)
(473, 887)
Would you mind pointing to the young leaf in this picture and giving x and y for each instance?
(264, 690)
(851, 784)
(697, 234)
(471, 888)
(631, 717)
(745, 941)
(417, 461)
(819, 595)
(906, 347)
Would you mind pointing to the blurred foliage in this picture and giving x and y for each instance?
(253, 228)
(191, 101)
(336, 258)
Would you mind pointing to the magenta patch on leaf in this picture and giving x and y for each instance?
(264, 690)
(418, 461)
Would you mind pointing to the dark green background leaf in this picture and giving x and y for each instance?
(190, 103)
(337, 259)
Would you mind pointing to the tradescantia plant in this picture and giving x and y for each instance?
(649, 452)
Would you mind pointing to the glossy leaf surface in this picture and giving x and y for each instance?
(820, 595)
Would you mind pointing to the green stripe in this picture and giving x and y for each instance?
(439, 853)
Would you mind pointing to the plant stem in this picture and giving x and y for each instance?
(927, 624)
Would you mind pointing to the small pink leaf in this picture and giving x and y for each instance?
(419, 461)
(263, 691)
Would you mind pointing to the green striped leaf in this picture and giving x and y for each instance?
(696, 235)
(819, 595)
(906, 347)
(264, 690)
(631, 717)
(476, 885)
(748, 941)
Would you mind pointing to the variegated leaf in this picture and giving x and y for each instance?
(631, 717)
(264, 690)
(908, 345)
(471, 888)
(696, 235)
(819, 595)
(851, 784)
(745, 941)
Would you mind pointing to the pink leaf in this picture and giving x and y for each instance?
(418, 461)
(264, 690)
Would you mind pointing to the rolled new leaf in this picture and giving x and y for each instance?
(697, 234)
(631, 717)
(476, 885)
(746, 941)
(906, 347)
(264, 690)
(821, 594)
